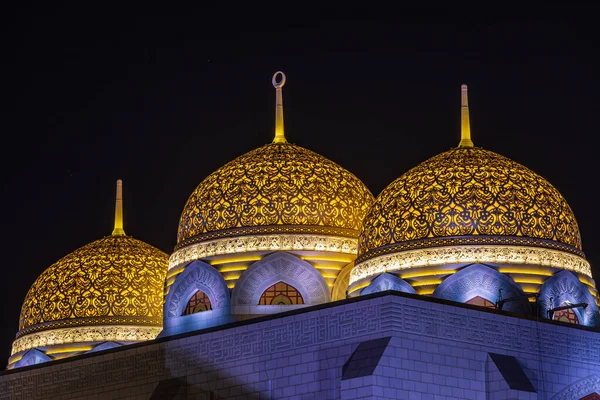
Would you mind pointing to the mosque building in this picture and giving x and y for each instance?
(465, 278)
(273, 230)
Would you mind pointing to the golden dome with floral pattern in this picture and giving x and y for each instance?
(108, 290)
(279, 187)
(464, 206)
(116, 279)
(278, 197)
(469, 195)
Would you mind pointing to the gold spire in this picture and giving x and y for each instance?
(118, 231)
(279, 136)
(465, 124)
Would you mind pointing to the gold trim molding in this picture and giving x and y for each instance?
(479, 240)
(269, 230)
(92, 321)
(114, 333)
(197, 251)
(470, 254)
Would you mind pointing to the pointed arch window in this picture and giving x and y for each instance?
(280, 294)
(199, 302)
(481, 302)
(567, 315)
(592, 396)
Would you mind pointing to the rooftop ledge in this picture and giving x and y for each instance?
(304, 310)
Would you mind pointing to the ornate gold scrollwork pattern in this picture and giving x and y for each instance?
(82, 334)
(276, 184)
(464, 192)
(114, 277)
(470, 254)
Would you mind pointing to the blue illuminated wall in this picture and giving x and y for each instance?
(388, 345)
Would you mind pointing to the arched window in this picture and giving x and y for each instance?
(481, 302)
(280, 294)
(567, 315)
(593, 396)
(198, 303)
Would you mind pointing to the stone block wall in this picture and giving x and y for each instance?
(434, 351)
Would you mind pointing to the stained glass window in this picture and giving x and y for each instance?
(198, 303)
(567, 315)
(593, 396)
(481, 302)
(280, 294)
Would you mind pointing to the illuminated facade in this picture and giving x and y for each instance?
(104, 294)
(278, 215)
(464, 279)
(459, 224)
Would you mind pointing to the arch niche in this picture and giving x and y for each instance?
(197, 276)
(478, 280)
(280, 267)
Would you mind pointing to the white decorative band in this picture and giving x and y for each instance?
(242, 244)
(84, 334)
(470, 254)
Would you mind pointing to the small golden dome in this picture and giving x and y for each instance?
(109, 290)
(277, 188)
(468, 195)
(116, 280)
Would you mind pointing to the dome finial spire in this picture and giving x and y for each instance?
(118, 231)
(465, 124)
(279, 136)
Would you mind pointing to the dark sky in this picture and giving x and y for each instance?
(163, 97)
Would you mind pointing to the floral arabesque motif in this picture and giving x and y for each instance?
(113, 277)
(276, 184)
(467, 192)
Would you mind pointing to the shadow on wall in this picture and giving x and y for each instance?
(173, 389)
(191, 367)
(204, 388)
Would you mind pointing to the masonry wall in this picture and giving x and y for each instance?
(436, 351)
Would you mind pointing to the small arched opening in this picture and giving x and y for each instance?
(592, 396)
(568, 315)
(199, 302)
(280, 294)
(481, 302)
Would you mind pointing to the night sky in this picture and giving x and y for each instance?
(162, 97)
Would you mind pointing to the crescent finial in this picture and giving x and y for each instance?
(279, 135)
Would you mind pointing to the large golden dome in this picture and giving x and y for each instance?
(468, 195)
(110, 290)
(278, 197)
(279, 187)
(469, 206)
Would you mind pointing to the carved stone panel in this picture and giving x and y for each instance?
(280, 267)
(197, 276)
